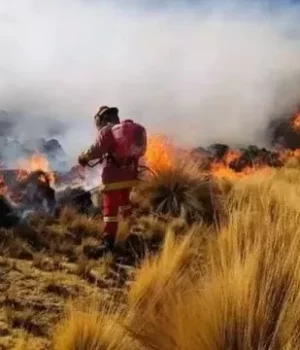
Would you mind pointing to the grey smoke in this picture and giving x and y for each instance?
(218, 71)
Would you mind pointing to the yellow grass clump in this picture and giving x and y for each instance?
(249, 294)
(90, 327)
(180, 190)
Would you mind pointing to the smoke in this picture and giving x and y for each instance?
(200, 72)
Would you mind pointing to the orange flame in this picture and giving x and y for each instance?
(231, 155)
(295, 122)
(287, 154)
(34, 163)
(161, 156)
(226, 172)
(160, 153)
(221, 169)
(3, 187)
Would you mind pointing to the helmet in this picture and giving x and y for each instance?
(106, 115)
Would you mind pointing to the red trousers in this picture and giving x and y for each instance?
(113, 203)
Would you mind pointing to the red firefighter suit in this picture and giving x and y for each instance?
(115, 145)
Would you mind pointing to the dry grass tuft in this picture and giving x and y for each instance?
(157, 272)
(87, 328)
(14, 246)
(151, 227)
(26, 342)
(150, 317)
(181, 190)
(248, 296)
(80, 225)
(250, 299)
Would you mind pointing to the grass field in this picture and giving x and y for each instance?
(221, 270)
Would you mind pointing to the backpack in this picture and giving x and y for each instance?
(130, 141)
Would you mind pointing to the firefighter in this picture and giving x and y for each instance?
(119, 146)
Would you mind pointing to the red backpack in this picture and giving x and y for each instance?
(130, 141)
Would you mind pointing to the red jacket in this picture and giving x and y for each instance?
(114, 176)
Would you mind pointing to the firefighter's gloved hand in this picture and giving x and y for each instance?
(82, 160)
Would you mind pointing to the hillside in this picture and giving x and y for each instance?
(220, 269)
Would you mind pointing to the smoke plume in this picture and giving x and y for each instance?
(199, 71)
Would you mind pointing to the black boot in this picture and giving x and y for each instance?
(106, 246)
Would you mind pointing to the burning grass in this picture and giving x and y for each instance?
(178, 188)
